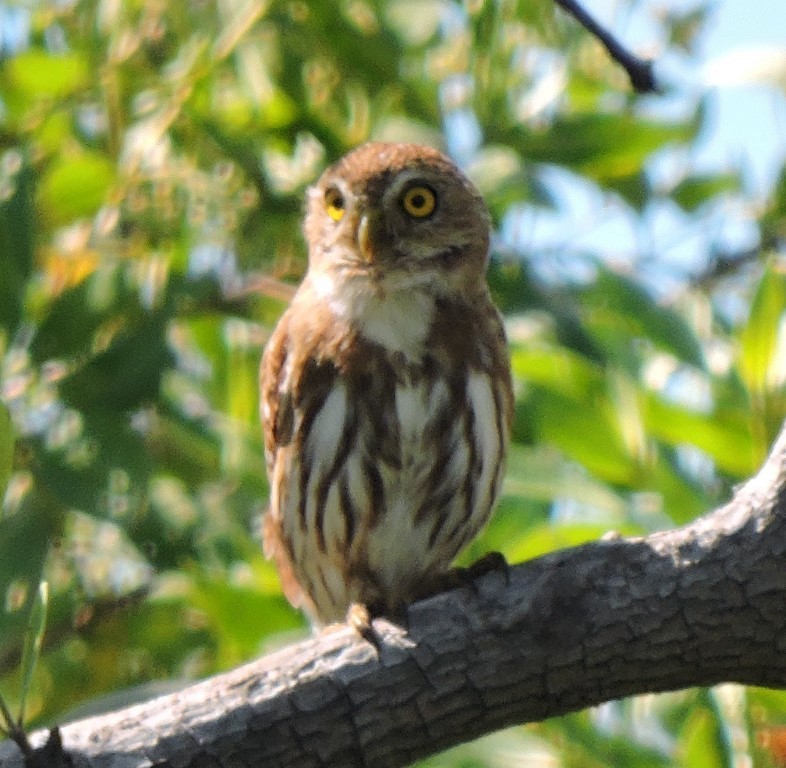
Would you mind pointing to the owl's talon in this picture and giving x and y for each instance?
(467, 577)
(359, 619)
(489, 563)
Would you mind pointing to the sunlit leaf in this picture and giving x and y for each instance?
(702, 741)
(759, 337)
(231, 610)
(726, 437)
(769, 705)
(566, 424)
(550, 537)
(543, 475)
(38, 73)
(74, 186)
(558, 368)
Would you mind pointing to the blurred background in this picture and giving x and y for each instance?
(153, 161)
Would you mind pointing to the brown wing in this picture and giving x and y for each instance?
(275, 399)
(277, 415)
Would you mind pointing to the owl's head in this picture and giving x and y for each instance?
(400, 213)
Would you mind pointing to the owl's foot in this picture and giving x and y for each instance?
(467, 577)
(488, 563)
(359, 618)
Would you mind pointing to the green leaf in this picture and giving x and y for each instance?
(549, 537)
(557, 368)
(583, 744)
(25, 538)
(81, 476)
(124, 375)
(635, 189)
(17, 229)
(183, 447)
(724, 436)
(569, 400)
(36, 73)
(7, 724)
(681, 501)
(619, 310)
(74, 187)
(702, 741)
(542, 474)
(32, 646)
(7, 444)
(231, 609)
(695, 191)
(773, 222)
(759, 337)
(81, 486)
(569, 425)
(515, 290)
(105, 298)
(604, 145)
(117, 443)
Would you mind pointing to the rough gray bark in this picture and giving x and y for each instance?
(699, 605)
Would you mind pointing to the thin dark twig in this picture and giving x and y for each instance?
(723, 264)
(14, 730)
(639, 70)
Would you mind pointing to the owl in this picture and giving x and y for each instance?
(386, 394)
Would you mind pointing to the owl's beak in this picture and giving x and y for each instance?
(366, 231)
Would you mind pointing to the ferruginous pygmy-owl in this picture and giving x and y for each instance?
(385, 388)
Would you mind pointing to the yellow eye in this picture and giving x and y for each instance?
(419, 201)
(334, 204)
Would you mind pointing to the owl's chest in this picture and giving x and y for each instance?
(382, 313)
(418, 410)
(399, 323)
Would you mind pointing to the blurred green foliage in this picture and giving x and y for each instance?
(153, 160)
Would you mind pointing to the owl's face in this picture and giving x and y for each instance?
(398, 213)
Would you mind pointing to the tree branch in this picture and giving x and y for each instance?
(700, 605)
(639, 70)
